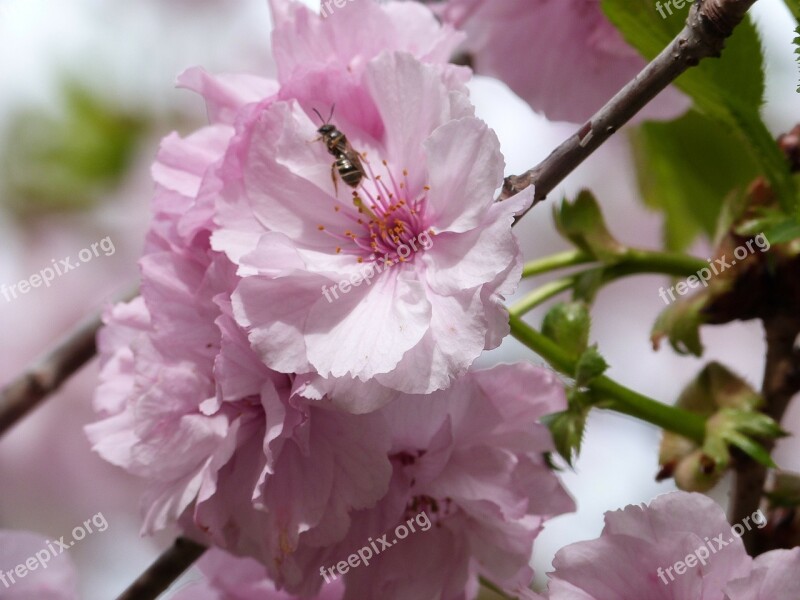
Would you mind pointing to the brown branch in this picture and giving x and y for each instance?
(28, 390)
(709, 23)
(49, 373)
(781, 383)
(166, 569)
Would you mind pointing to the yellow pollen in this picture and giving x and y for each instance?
(405, 172)
(321, 227)
(338, 250)
(427, 188)
(337, 208)
(384, 162)
(360, 260)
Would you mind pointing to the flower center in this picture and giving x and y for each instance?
(386, 221)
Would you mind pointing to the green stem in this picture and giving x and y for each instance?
(541, 294)
(633, 262)
(623, 399)
(570, 258)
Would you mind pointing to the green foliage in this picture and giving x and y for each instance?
(65, 161)
(568, 324)
(591, 365)
(582, 223)
(735, 427)
(686, 169)
(567, 427)
(729, 90)
(680, 324)
(797, 50)
(785, 490)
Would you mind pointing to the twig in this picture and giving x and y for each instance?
(710, 22)
(24, 393)
(781, 382)
(50, 372)
(166, 569)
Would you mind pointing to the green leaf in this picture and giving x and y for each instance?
(729, 89)
(797, 48)
(752, 448)
(785, 490)
(568, 324)
(686, 169)
(69, 160)
(680, 323)
(794, 8)
(567, 427)
(591, 365)
(582, 223)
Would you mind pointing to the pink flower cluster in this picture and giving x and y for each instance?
(569, 44)
(278, 425)
(633, 558)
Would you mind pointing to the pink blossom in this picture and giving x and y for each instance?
(54, 581)
(471, 459)
(227, 577)
(224, 445)
(434, 252)
(774, 577)
(634, 557)
(563, 57)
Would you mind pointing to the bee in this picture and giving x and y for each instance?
(347, 162)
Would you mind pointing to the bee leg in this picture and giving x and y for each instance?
(333, 178)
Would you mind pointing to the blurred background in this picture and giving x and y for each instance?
(86, 92)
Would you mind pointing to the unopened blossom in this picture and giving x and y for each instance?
(397, 282)
(51, 578)
(227, 577)
(224, 445)
(470, 490)
(563, 57)
(635, 556)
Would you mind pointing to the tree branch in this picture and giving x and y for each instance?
(709, 23)
(166, 569)
(49, 373)
(24, 393)
(781, 383)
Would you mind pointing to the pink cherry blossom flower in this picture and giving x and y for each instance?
(634, 557)
(469, 462)
(224, 445)
(774, 577)
(398, 282)
(52, 580)
(227, 577)
(563, 57)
